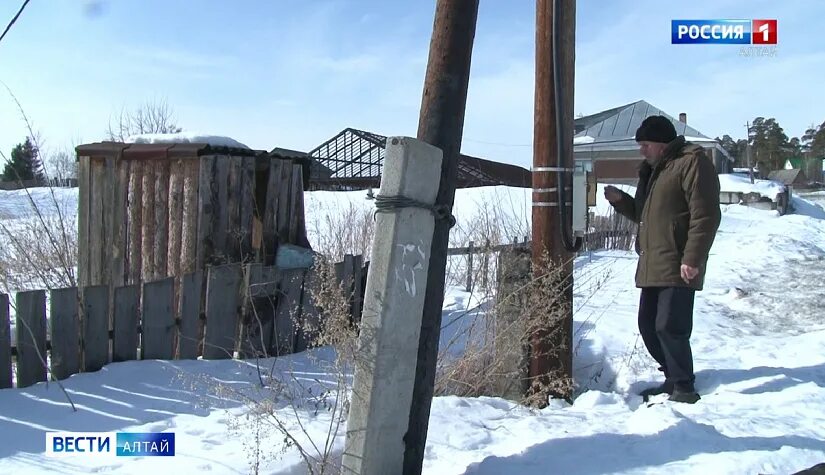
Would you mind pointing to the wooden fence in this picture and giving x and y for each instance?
(613, 239)
(244, 311)
(231, 310)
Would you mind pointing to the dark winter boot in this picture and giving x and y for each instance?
(688, 397)
(664, 388)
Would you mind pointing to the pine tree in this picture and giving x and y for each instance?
(24, 164)
(736, 149)
(817, 144)
(770, 146)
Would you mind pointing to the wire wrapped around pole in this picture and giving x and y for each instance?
(388, 204)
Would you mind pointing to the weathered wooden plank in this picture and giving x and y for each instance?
(135, 220)
(161, 219)
(65, 332)
(148, 220)
(233, 209)
(190, 315)
(84, 181)
(206, 211)
(284, 202)
(270, 212)
(262, 287)
(296, 203)
(174, 255)
(247, 206)
(288, 312)
(310, 320)
(107, 219)
(125, 323)
(338, 268)
(97, 229)
(299, 210)
(258, 237)
(221, 212)
(176, 183)
(95, 325)
(31, 337)
(189, 227)
(158, 320)
(357, 287)
(5, 343)
(222, 304)
(348, 277)
(119, 238)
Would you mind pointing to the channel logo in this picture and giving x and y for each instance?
(764, 32)
(110, 444)
(731, 32)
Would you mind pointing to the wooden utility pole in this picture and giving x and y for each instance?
(551, 349)
(748, 149)
(441, 123)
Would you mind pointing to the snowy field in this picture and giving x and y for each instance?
(759, 349)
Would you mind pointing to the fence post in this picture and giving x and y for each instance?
(470, 267)
(5, 343)
(510, 353)
(485, 263)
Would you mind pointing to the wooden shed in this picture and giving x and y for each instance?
(148, 211)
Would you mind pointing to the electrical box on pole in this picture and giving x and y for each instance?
(580, 200)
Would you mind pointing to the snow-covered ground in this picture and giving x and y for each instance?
(759, 348)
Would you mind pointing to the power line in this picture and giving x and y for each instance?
(23, 7)
(498, 143)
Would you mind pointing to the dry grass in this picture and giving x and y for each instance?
(340, 228)
(527, 317)
(288, 401)
(34, 257)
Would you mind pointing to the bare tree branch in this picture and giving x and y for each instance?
(153, 117)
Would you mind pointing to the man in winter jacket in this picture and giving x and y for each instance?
(677, 209)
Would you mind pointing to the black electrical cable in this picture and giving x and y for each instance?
(14, 19)
(387, 204)
(570, 244)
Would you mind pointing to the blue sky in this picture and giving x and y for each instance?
(293, 73)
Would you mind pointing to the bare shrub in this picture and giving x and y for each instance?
(284, 410)
(529, 310)
(61, 165)
(497, 219)
(34, 255)
(39, 249)
(153, 117)
(342, 228)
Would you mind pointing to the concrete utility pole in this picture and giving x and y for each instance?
(391, 321)
(551, 351)
(441, 123)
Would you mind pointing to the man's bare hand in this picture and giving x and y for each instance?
(688, 273)
(612, 194)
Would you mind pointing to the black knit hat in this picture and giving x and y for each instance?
(656, 128)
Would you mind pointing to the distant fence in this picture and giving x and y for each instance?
(597, 240)
(53, 182)
(234, 310)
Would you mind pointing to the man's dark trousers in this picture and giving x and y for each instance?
(665, 323)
